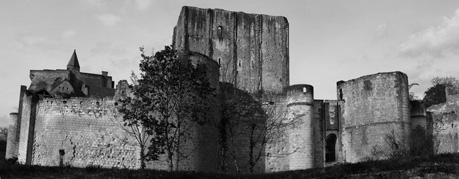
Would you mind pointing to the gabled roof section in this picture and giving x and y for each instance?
(73, 63)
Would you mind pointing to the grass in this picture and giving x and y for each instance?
(445, 163)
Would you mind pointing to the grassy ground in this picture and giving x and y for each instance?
(445, 163)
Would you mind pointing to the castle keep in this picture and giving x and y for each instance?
(70, 117)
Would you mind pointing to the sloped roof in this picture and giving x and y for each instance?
(73, 63)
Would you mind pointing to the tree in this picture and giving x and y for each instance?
(132, 120)
(436, 94)
(3, 133)
(169, 98)
(247, 126)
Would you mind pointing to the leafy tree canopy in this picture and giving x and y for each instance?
(436, 94)
(169, 96)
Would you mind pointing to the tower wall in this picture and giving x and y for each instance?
(418, 114)
(300, 102)
(202, 147)
(13, 137)
(24, 111)
(251, 49)
(372, 107)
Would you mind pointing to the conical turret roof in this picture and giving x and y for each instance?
(73, 63)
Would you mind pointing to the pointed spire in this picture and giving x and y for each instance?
(73, 63)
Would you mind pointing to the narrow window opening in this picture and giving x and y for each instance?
(240, 63)
(220, 32)
(219, 60)
(367, 85)
(340, 94)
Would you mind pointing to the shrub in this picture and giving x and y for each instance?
(421, 143)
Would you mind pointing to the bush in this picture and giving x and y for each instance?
(421, 143)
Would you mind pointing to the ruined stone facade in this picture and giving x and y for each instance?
(443, 121)
(67, 117)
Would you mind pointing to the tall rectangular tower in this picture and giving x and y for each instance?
(251, 49)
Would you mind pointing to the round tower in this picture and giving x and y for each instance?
(300, 100)
(213, 68)
(13, 138)
(204, 141)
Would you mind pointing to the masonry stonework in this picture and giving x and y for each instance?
(82, 132)
(445, 124)
(300, 102)
(68, 117)
(13, 137)
(251, 49)
(373, 106)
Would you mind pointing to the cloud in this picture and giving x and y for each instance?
(33, 40)
(382, 30)
(435, 41)
(107, 48)
(68, 33)
(142, 4)
(108, 19)
(93, 3)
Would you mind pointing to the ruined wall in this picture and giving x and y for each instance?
(251, 49)
(373, 106)
(82, 132)
(319, 132)
(445, 121)
(24, 113)
(277, 150)
(418, 114)
(300, 102)
(12, 143)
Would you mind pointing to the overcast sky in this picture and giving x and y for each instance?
(330, 40)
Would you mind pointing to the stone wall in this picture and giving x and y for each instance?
(24, 112)
(373, 106)
(277, 149)
(12, 143)
(319, 132)
(82, 132)
(445, 121)
(300, 103)
(251, 49)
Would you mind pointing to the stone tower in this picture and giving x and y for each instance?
(251, 49)
(373, 106)
(300, 101)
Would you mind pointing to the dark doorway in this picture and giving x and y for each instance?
(330, 154)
